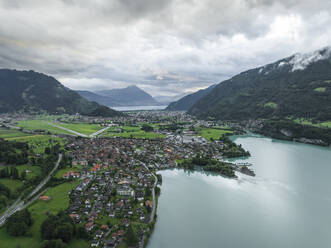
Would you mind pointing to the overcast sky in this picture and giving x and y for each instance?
(166, 47)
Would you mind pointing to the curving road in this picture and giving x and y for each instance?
(153, 195)
(19, 203)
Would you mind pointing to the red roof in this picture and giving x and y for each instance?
(104, 227)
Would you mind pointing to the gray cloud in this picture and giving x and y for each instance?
(164, 46)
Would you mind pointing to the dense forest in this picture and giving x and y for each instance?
(13, 152)
(288, 130)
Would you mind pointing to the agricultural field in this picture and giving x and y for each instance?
(320, 89)
(84, 128)
(40, 125)
(132, 132)
(34, 171)
(271, 105)
(11, 133)
(213, 133)
(307, 122)
(39, 142)
(136, 135)
(59, 201)
(13, 185)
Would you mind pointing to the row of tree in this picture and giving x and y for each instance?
(19, 223)
(13, 152)
(62, 227)
(11, 172)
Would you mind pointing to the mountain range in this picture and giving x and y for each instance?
(187, 102)
(33, 92)
(129, 96)
(297, 86)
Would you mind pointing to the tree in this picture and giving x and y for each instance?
(47, 150)
(14, 173)
(131, 237)
(23, 175)
(60, 226)
(53, 244)
(4, 190)
(148, 192)
(19, 223)
(65, 232)
(147, 128)
(81, 233)
(3, 201)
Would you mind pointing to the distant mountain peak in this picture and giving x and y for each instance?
(300, 61)
(130, 96)
(296, 62)
(133, 87)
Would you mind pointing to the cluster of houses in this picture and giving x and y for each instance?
(116, 181)
(112, 193)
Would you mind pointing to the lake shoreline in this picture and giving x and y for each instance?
(231, 203)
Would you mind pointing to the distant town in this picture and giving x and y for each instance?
(109, 167)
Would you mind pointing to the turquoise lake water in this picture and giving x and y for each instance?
(287, 204)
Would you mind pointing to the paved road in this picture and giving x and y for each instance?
(47, 178)
(99, 132)
(153, 195)
(66, 129)
(19, 203)
(77, 133)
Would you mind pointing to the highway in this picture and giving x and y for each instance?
(99, 132)
(77, 133)
(66, 129)
(19, 203)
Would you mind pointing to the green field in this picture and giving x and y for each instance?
(84, 128)
(11, 184)
(271, 105)
(39, 124)
(59, 201)
(11, 133)
(34, 170)
(60, 172)
(39, 142)
(307, 122)
(136, 135)
(132, 132)
(213, 133)
(320, 89)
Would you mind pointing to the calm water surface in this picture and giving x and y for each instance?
(287, 205)
(136, 108)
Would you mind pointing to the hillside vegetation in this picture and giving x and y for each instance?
(298, 86)
(32, 92)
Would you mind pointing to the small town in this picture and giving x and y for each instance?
(165, 124)
(112, 166)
